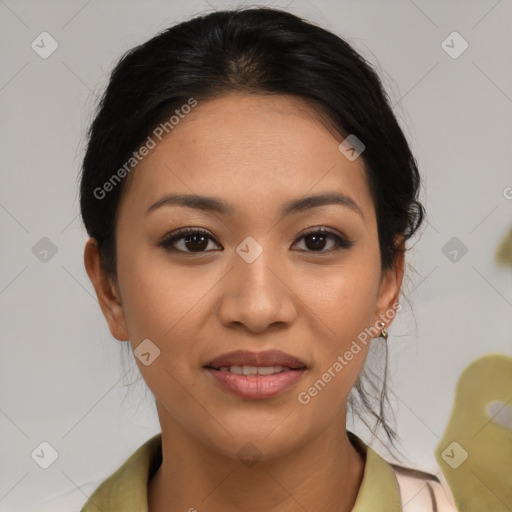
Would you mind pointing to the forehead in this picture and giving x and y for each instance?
(248, 147)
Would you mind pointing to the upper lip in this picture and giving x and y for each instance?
(248, 358)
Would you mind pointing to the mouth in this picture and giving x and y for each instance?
(247, 359)
(256, 375)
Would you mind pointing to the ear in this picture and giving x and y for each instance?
(106, 291)
(391, 281)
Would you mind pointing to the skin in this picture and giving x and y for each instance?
(255, 152)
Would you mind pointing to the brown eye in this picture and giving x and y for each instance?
(194, 240)
(316, 240)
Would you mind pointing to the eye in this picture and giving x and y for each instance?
(316, 240)
(195, 240)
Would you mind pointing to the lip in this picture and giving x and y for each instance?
(256, 387)
(264, 358)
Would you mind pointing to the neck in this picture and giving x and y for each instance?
(322, 475)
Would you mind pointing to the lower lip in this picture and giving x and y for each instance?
(257, 386)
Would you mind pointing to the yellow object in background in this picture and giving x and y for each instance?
(504, 252)
(475, 452)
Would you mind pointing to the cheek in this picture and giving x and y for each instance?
(158, 297)
(166, 303)
(342, 299)
(160, 303)
(342, 305)
(343, 312)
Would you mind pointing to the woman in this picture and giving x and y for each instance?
(249, 195)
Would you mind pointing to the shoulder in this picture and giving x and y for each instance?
(388, 486)
(127, 486)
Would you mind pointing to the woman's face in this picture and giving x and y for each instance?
(252, 279)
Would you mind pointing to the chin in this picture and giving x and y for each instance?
(256, 438)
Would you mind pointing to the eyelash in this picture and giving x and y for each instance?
(167, 242)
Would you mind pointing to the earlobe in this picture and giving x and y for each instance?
(106, 291)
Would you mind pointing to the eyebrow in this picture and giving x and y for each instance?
(214, 204)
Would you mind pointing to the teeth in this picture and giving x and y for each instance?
(252, 370)
(269, 370)
(249, 370)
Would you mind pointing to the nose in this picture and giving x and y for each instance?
(257, 295)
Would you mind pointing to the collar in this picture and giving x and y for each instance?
(126, 489)
(379, 488)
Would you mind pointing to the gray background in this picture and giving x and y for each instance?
(61, 375)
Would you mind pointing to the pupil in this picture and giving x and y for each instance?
(202, 244)
(318, 238)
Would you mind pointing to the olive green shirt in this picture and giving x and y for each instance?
(126, 490)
